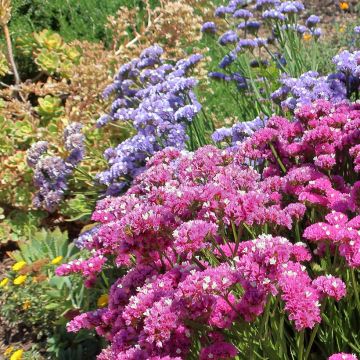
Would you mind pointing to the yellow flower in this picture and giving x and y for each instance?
(56, 260)
(17, 355)
(4, 282)
(19, 265)
(26, 305)
(20, 279)
(103, 300)
(9, 350)
(307, 36)
(344, 5)
(342, 29)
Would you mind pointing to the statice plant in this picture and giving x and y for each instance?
(156, 97)
(51, 172)
(249, 252)
(262, 40)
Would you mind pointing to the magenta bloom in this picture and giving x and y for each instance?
(343, 356)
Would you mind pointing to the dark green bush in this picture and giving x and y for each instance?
(72, 19)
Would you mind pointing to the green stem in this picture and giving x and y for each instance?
(301, 345)
(311, 341)
(356, 292)
(283, 168)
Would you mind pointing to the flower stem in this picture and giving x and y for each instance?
(311, 341)
(301, 345)
(283, 168)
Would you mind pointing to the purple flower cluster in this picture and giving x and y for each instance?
(156, 98)
(307, 88)
(238, 132)
(245, 37)
(51, 172)
(209, 27)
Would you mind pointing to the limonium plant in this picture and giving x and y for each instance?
(262, 40)
(51, 173)
(246, 252)
(156, 98)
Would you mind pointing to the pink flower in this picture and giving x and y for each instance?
(330, 286)
(217, 351)
(343, 356)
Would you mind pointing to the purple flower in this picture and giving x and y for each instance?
(35, 152)
(221, 11)
(228, 38)
(357, 29)
(317, 32)
(239, 131)
(243, 14)
(227, 60)
(273, 14)
(159, 107)
(290, 7)
(246, 44)
(348, 62)
(308, 88)
(188, 112)
(219, 76)
(51, 172)
(301, 29)
(221, 134)
(209, 27)
(74, 143)
(261, 4)
(252, 26)
(312, 20)
(154, 51)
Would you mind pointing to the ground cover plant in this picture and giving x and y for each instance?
(181, 182)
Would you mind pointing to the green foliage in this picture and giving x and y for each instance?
(35, 298)
(45, 245)
(72, 19)
(65, 346)
(19, 225)
(49, 108)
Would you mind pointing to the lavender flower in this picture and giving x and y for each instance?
(312, 20)
(227, 60)
(86, 238)
(348, 62)
(273, 14)
(219, 76)
(228, 38)
(238, 132)
(301, 29)
(246, 44)
(261, 4)
(74, 143)
(251, 26)
(357, 29)
(317, 32)
(290, 7)
(243, 14)
(209, 27)
(160, 108)
(308, 88)
(51, 172)
(221, 11)
(35, 152)
(50, 178)
(222, 134)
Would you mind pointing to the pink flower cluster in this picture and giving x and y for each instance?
(343, 356)
(216, 233)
